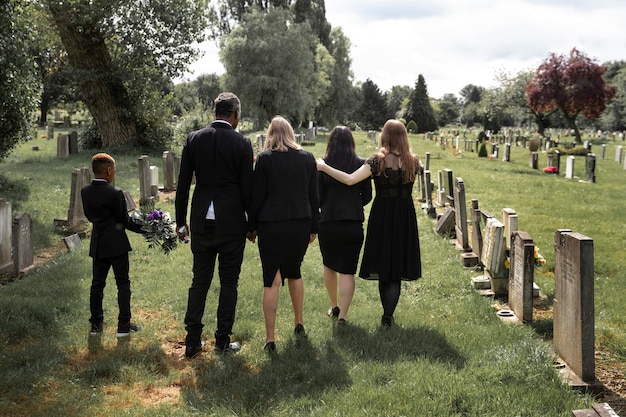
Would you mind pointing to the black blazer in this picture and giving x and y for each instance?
(104, 206)
(342, 202)
(221, 158)
(284, 188)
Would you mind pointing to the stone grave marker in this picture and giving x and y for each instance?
(569, 167)
(534, 160)
(510, 221)
(441, 192)
(421, 181)
(618, 154)
(574, 302)
(6, 232)
(521, 276)
(23, 256)
(445, 225)
(73, 242)
(603, 151)
(168, 171)
(462, 238)
(73, 142)
(427, 161)
(75, 215)
(145, 189)
(50, 131)
(448, 184)
(154, 181)
(429, 208)
(492, 256)
(506, 154)
(130, 202)
(477, 234)
(590, 168)
(63, 146)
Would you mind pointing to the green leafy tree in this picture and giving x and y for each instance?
(573, 85)
(123, 55)
(372, 113)
(270, 63)
(18, 79)
(449, 110)
(420, 109)
(614, 117)
(398, 100)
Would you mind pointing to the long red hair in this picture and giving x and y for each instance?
(395, 139)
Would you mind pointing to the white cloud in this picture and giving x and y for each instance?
(453, 43)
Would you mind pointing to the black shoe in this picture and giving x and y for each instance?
(96, 329)
(386, 322)
(232, 347)
(334, 312)
(270, 347)
(125, 329)
(191, 351)
(299, 330)
(342, 322)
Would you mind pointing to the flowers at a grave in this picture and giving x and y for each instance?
(158, 228)
(551, 170)
(539, 260)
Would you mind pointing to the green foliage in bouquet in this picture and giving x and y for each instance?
(158, 228)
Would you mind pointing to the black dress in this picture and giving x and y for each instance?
(392, 249)
(341, 220)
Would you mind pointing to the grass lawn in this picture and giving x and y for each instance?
(448, 355)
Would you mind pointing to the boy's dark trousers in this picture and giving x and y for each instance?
(101, 269)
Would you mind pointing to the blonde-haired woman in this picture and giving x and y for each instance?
(391, 253)
(284, 215)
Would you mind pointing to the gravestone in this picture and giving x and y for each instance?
(462, 238)
(50, 131)
(573, 313)
(23, 256)
(441, 192)
(429, 208)
(569, 167)
(6, 232)
(130, 203)
(73, 242)
(534, 160)
(445, 225)
(506, 155)
(76, 215)
(421, 181)
(154, 181)
(510, 221)
(603, 151)
(596, 410)
(590, 168)
(448, 184)
(477, 234)
(145, 189)
(492, 256)
(168, 171)
(73, 142)
(63, 146)
(521, 276)
(427, 161)
(618, 154)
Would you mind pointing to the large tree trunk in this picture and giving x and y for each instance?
(103, 91)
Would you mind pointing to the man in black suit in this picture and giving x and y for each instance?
(221, 159)
(105, 206)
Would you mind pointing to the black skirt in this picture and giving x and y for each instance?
(282, 246)
(340, 245)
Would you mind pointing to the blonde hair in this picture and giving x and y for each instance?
(100, 161)
(394, 137)
(280, 136)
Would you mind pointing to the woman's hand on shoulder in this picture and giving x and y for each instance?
(321, 164)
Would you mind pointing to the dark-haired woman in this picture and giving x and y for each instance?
(341, 221)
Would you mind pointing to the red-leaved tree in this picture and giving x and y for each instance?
(572, 85)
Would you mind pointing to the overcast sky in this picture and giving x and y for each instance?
(453, 43)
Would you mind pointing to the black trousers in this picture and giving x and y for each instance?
(100, 269)
(206, 248)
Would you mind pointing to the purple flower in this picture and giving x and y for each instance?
(155, 215)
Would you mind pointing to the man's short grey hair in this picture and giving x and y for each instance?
(226, 104)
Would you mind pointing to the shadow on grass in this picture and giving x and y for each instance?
(14, 191)
(398, 344)
(296, 370)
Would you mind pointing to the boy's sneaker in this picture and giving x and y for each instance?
(96, 329)
(125, 329)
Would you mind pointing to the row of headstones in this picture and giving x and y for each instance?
(149, 176)
(67, 144)
(574, 273)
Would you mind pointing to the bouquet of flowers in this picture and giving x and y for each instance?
(551, 170)
(158, 228)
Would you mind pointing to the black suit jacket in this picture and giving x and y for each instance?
(104, 206)
(285, 188)
(342, 202)
(222, 161)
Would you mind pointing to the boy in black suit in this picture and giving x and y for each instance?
(105, 207)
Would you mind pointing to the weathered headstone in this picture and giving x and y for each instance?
(75, 215)
(448, 183)
(73, 142)
(521, 276)
(506, 155)
(441, 192)
(6, 232)
(429, 208)
(50, 131)
(618, 154)
(510, 221)
(130, 203)
(446, 223)
(492, 256)
(574, 302)
(23, 255)
(168, 171)
(569, 167)
(73, 242)
(462, 238)
(63, 146)
(590, 168)
(534, 160)
(603, 151)
(477, 234)
(145, 189)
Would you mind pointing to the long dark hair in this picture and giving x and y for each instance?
(340, 150)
